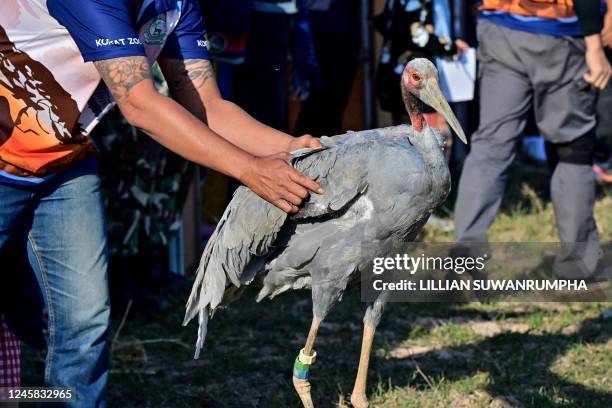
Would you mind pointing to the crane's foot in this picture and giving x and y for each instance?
(303, 389)
(301, 384)
(359, 401)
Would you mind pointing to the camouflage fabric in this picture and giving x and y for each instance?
(144, 185)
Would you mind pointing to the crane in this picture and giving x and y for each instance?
(380, 186)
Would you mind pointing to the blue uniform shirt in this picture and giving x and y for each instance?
(50, 93)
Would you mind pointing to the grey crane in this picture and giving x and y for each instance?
(380, 188)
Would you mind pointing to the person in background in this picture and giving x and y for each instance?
(261, 87)
(10, 347)
(305, 70)
(407, 27)
(551, 57)
(20, 321)
(335, 27)
(10, 359)
(227, 28)
(603, 151)
(463, 22)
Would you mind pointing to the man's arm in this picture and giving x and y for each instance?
(129, 80)
(606, 33)
(599, 66)
(589, 17)
(192, 84)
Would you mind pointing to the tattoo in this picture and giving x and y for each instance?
(188, 73)
(122, 74)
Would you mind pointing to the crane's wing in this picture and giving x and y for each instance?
(250, 226)
(339, 173)
(247, 228)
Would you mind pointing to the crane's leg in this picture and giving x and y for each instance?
(302, 365)
(324, 296)
(358, 396)
(370, 322)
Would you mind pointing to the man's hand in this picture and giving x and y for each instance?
(599, 67)
(462, 47)
(274, 180)
(606, 33)
(305, 141)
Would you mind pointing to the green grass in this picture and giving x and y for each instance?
(424, 355)
(564, 358)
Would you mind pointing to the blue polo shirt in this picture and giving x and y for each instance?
(51, 96)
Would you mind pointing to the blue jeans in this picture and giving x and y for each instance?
(62, 224)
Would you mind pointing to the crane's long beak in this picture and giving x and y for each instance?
(432, 96)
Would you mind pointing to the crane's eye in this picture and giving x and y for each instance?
(416, 77)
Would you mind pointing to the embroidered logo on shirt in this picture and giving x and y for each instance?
(155, 33)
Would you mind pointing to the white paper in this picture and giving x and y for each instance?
(457, 77)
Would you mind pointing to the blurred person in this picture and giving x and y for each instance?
(227, 28)
(606, 32)
(261, 87)
(603, 151)
(407, 27)
(549, 57)
(464, 17)
(23, 318)
(335, 28)
(305, 70)
(10, 359)
(19, 320)
(53, 93)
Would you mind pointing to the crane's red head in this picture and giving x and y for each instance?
(417, 73)
(420, 83)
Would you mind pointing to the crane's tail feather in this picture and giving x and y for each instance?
(246, 230)
(206, 293)
(202, 330)
(198, 292)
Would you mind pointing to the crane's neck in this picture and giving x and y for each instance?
(415, 110)
(426, 140)
(430, 144)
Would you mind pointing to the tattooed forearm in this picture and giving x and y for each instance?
(122, 74)
(188, 73)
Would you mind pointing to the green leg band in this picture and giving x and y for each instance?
(300, 370)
